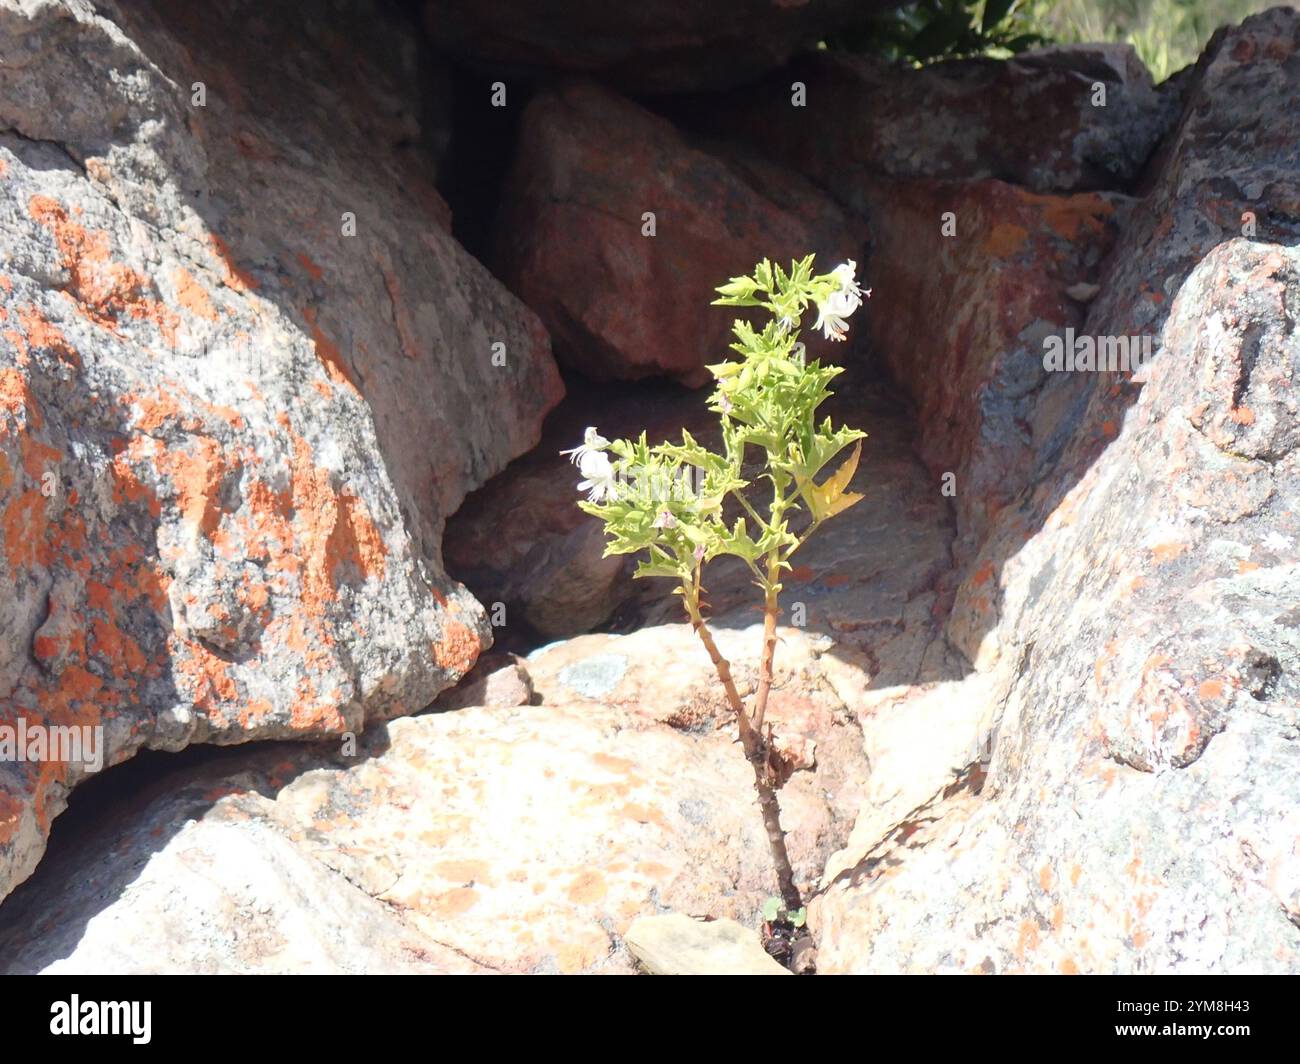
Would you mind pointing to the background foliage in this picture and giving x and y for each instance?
(1167, 34)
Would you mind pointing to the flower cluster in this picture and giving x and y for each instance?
(836, 296)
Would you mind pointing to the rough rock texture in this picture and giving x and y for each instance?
(1134, 615)
(677, 945)
(1029, 121)
(224, 463)
(654, 46)
(969, 278)
(572, 239)
(516, 838)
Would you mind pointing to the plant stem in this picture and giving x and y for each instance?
(755, 753)
(770, 612)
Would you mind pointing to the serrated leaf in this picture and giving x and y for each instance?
(830, 498)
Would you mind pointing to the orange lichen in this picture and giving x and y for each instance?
(327, 351)
(191, 295)
(231, 275)
(588, 888)
(16, 396)
(23, 525)
(458, 648)
(1167, 552)
(1028, 939)
(104, 290)
(41, 334)
(620, 765)
(644, 814)
(1210, 689)
(1005, 240)
(463, 871)
(196, 478)
(453, 903)
(355, 541)
(1066, 215)
(315, 271)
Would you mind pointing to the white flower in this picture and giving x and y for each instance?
(591, 441)
(665, 520)
(830, 318)
(599, 479)
(848, 284)
(833, 311)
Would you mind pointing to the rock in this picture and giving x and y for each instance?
(661, 676)
(1130, 616)
(674, 944)
(1033, 120)
(520, 839)
(497, 680)
(223, 473)
(592, 173)
(651, 47)
(969, 279)
(222, 894)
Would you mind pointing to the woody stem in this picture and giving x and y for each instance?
(755, 753)
(771, 610)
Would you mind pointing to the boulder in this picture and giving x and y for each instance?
(969, 279)
(508, 838)
(1131, 617)
(616, 231)
(1062, 119)
(653, 47)
(229, 431)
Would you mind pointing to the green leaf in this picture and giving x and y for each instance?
(828, 499)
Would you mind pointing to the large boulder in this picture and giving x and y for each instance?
(615, 230)
(654, 47)
(515, 839)
(1073, 118)
(969, 279)
(1132, 617)
(229, 433)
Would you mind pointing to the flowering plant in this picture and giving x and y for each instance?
(685, 505)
